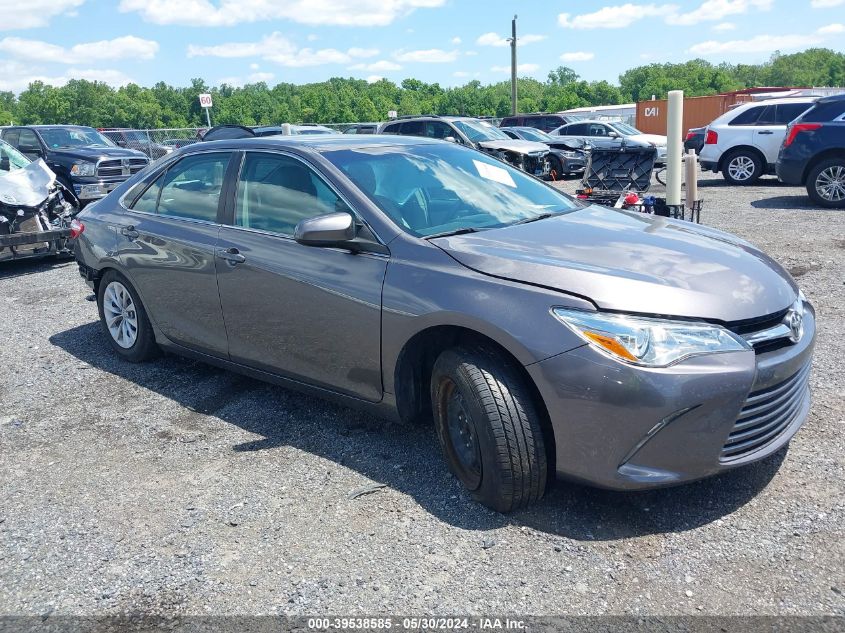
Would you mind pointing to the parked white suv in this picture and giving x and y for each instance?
(743, 143)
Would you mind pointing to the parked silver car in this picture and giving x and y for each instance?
(420, 279)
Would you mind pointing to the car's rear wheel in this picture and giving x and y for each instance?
(742, 167)
(826, 183)
(489, 428)
(124, 319)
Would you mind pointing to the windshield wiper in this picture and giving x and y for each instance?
(460, 231)
(542, 216)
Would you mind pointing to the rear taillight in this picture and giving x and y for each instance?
(712, 137)
(690, 135)
(76, 228)
(793, 131)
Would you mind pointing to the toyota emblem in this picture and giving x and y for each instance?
(794, 320)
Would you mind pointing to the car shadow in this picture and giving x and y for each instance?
(24, 267)
(407, 458)
(789, 203)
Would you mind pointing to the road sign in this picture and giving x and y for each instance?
(205, 101)
(392, 114)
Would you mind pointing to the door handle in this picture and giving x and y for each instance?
(130, 232)
(231, 255)
(765, 132)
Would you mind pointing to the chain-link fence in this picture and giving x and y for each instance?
(154, 143)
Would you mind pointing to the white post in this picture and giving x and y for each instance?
(674, 134)
(691, 177)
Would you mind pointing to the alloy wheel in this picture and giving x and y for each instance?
(120, 314)
(830, 183)
(741, 168)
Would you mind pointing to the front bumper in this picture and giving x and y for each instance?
(623, 427)
(93, 189)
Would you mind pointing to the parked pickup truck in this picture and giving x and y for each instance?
(83, 160)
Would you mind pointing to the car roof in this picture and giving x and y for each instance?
(778, 101)
(321, 142)
(831, 99)
(42, 126)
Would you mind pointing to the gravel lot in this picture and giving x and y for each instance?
(175, 487)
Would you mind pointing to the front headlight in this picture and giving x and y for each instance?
(83, 168)
(649, 342)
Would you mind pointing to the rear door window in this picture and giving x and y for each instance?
(413, 128)
(391, 128)
(11, 137)
(786, 112)
(749, 117)
(189, 189)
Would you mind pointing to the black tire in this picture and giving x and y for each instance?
(739, 162)
(500, 457)
(144, 346)
(823, 174)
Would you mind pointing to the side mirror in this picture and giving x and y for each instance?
(613, 134)
(451, 139)
(331, 229)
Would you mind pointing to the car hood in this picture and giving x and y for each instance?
(657, 139)
(94, 153)
(515, 145)
(633, 262)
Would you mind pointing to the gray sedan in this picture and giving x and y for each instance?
(423, 280)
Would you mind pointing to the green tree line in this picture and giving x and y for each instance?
(343, 100)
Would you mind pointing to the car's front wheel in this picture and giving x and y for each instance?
(826, 183)
(488, 427)
(124, 319)
(742, 167)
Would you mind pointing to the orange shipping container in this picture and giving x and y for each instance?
(698, 112)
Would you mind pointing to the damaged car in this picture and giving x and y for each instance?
(566, 156)
(529, 156)
(36, 211)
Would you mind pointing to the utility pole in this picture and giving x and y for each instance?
(513, 65)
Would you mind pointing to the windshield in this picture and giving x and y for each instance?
(429, 189)
(478, 131)
(10, 158)
(73, 137)
(624, 128)
(531, 134)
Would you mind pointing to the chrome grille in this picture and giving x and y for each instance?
(765, 415)
(117, 167)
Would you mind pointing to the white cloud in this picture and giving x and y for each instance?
(724, 26)
(127, 47)
(494, 39)
(279, 50)
(471, 53)
(254, 66)
(832, 29)
(758, 44)
(374, 78)
(520, 68)
(312, 37)
(715, 10)
(381, 66)
(456, 40)
(313, 12)
(235, 82)
(255, 78)
(618, 17)
(430, 56)
(622, 16)
(16, 76)
(577, 56)
(34, 13)
(826, 4)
